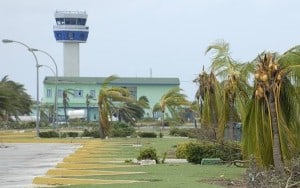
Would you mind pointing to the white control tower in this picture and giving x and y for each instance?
(70, 29)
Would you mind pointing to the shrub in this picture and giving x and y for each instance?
(121, 129)
(148, 153)
(72, 134)
(195, 152)
(181, 151)
(179, 132)
(147, 134)
(49, 134)
(92, 133)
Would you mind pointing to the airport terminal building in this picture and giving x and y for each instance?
(152, 88)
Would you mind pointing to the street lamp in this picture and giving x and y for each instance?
(37, 83)
(56, 79)
(54, 107)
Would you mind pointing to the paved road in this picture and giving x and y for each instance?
(20, 163)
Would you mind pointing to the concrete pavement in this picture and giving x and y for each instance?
(21, 162)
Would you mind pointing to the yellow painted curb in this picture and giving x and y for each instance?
(90, 159)
(67, 172)
(73, 181)
(89, 166)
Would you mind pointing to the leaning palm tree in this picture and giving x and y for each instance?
(271, 128)
(233, 77)
(172, 99)
(107, 98)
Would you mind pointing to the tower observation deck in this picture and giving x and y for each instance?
(70, 29)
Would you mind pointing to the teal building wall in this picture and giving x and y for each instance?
(152, 88)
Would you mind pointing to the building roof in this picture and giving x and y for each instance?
(119, 81)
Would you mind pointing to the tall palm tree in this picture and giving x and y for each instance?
(233, 77)
(271, 128)
(107, 98)
(171, 100)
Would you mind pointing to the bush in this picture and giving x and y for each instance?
(179, 132)
(181, 151)
(72, 134)
(147, 134)
(92, 133)
(195, 152)
(148, 153)
(20, 125)
(121, 129)
(49, 134)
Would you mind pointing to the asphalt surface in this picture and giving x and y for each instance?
(20, 163)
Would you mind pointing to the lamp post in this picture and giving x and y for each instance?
(56, 80)
(54, 107)
(37, 83)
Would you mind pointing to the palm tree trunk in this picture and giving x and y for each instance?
(65, 111)
(231, 118)
(277, 156)
(101, 133)
(163, 119)
(214, 118)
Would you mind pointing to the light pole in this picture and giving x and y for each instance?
(56, 80)
(37, 83)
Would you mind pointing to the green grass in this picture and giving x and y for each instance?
(167, 175)
(173, 175)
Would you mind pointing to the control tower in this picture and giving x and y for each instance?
(70, 29)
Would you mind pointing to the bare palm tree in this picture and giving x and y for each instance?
(233, 77)
(209, 97)
(271, 128)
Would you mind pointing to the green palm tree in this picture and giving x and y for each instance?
(271, 129)
(107, 99)
(171, 100)
(14, 101)
(233, 77)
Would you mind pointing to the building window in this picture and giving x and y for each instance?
(78, 93)
(132, 91)
(92, 93)
(49, 92)
(60, 93)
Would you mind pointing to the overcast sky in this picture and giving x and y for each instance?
(131, 37)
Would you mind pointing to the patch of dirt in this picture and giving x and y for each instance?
(227, 183)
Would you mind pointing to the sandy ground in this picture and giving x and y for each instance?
(21, 162)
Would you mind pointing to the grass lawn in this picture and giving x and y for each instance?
(157, 176)
(176, 176)
(167, 175)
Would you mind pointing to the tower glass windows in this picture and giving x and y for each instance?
(70, 21)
